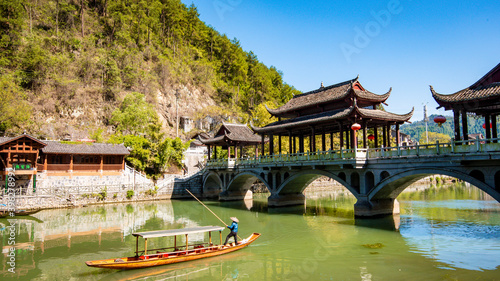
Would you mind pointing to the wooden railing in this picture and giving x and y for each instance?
(57, 167)
(82, 167)
(454, 147)
(86, 167)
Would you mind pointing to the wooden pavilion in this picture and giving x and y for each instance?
(482, 99)
(329, 110)
(232, 135)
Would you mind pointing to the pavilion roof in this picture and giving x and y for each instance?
(328, 118)
(233, 134)
(481, 97)
(331, 97)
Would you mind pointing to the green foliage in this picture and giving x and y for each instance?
(130, 194)
(14, 108)
(101, 196)
(135, 115)
(433, 137)
(151, 192)
(416, 130)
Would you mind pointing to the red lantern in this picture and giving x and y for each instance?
(440, 120)
(484, 126)
(371, 137)
(355, 127)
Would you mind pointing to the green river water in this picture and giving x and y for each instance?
(450, 233)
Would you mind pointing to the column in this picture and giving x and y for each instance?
(354, 140)
(301, 143)
(389, 135)
(456, 123)
(100, 168)
(313, 140)
(323, 141)
(347, 139)
(236, 152)
(384, 135)
(208, 146)
(398, 136)
(341, 136)
(487, 126)
(465, 128)
(375, 134)
(294, 144)
(44, 162)
(290, 143)
(365, 143)
(262, 145)
(271, 144)
(331, 141)
(256, 151)
(494, 133)
(71, 162)
(228, 152)
(215, 152)
(279, 143)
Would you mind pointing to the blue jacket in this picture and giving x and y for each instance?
(233, 227)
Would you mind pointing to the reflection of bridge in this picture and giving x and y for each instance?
(375, 176)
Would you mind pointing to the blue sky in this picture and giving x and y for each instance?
(407, 45)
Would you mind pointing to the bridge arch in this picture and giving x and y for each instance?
(298, 182)
(393, 185)
(212, 185)
(244, 181)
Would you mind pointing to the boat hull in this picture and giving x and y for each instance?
(169, 258)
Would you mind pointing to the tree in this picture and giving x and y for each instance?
(135, 115)
(14, 108)
(433, 137)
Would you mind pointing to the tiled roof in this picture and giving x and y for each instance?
(328, 94)
(234, 132)
(9, 139)
(469, 94)
(55, 147)
(333, 115)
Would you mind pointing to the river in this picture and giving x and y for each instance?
(447, 233)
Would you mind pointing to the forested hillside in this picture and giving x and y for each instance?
(67, 65)
(416, 129)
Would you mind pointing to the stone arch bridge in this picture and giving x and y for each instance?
(374, 176)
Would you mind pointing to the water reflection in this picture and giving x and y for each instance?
(457, 238)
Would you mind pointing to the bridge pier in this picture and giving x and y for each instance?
(379, 207)
(235, 195)
(281, 200)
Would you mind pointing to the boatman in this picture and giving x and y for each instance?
(234, 231)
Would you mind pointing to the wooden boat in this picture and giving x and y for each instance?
(5, 213)
(163, 256)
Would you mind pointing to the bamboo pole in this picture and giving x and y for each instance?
(210, 212)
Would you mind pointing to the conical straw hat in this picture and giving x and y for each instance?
(234, 219)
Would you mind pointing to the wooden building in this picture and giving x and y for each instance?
(25, 156)
(231, 136)
(481, 98)
(331, 110)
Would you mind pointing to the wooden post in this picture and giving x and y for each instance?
(136, 246)
(313, 139)
(175, 243)
(220, 234)
(145, 246)
(331, 141)
(323, 140)
(465, 126)
(71, 163)
(208, 146)
(365, 143)
(235, 152)
(456, 123)
(187, 244)
(262, 145)
(271, 144)
(210, 238)
(397, 136)
(389, 135)
(494, 133)
(487, 126)
(290, 144)
(45, 162)
(375, 134)
(279, 144)
(384, 135)
(102, 162)
(341, 135)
